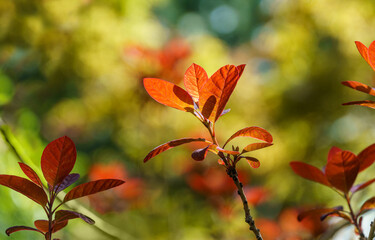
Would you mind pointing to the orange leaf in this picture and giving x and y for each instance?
(169, 94)
(371, 55)
(21, 228)
(253, 132)
(26, 187)
(360, 87)
(227, 151)
(254, 163)
(91, 188)
(195, 77)
(366, 157)
(255, 146)
(219, 85)
(363, 50)
(342, 169)
(309, 172)
(168, 145)
(31, 174)
(368, 205)
(365, 103)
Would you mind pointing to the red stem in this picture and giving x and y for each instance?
(354, 218)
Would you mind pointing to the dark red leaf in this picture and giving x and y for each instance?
(255, 146)
(200, 154)
(91, 188)
(216, 91)
(360, 87)
(365, 103)
(318, 212)
(253, 132)
(58, 160)
(42, 225)
(171, 144)
(342, 169)
(195, 77)
(253, 162)
(361, 186)
(21, 228)
(366, 157)
(65, 215)
(69, 180)
(309, 172)
(368, 205)
(31, 174)
(363, 50)
(26, 187)
(169, 94)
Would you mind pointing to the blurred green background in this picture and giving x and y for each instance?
(75, 68)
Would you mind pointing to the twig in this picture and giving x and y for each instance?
(372, 231)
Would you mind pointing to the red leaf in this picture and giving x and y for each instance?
(65, 215)
(309, 172)
(342, 169)
(171, 144)
(58, 160)
(42, 225)
(200, 154)
(361, 186)
(221, 162)
(253, 132)
(363, 50)
(360, 87)
(255, 146)
(254, 163)
(366, 157)
(195, 77)
(58, 226)
(332, 152)
(317, 212)
(20, 228)
(169, 94)
(26, 187)
(219, 85)
(371, 55)
(368, 205)
(31, 174)
(227, 151)
(365, 103)
(91, 188)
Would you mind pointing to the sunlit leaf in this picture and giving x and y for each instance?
(368, 205)
(360, 87)
(58, 160)
(253, 132)
(361, 186)
(221, 162)
(171, 144)
(91, 188)
(216, 91)
(255, 146)
(26, 187)
(200, 154)
(64, 215)
(169, 94)
(366, 157)
(332, 152)
(68, 180)
(31, 174)
(342, 169)
(365, 103)
(309, 172)
(318, 212)
(21, 228)
(253, 162)
(195, 77)
(227, 151)
(371, 55)
(363, 50)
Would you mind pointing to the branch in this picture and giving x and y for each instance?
(372, 231)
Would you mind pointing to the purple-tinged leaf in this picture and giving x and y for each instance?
(200, 154)
(31, 174)
(21, 228)
(365, 103)
(69, 180)
(361, 186)
(65, 215)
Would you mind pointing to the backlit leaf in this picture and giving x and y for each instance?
(253, 132)
(332, 152)
(360, 87)
(200, 154)
(58, 160)
(21, 228)
(64, 215)
(309, 172)
(91, 188)
(227, 151)
(366, 157)
(363, 50)
(371, 55)
(68, 180)
(368, 205)
(171, 144)
(216, 91)
(195, 77)
(31, 174)
(361, 186)
(255, 146)
(365, 103)
(169, 94)
(26, 187)
(342, 169)
(319, 212)
(253, 162)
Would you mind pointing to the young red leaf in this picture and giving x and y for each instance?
(31, 174)
(227, 151)
(366, 157)
(171, 144)
(332, 152)
(363, 50)
(365, 103)
(58, 226)
(58, 160)
(42, 225)
(69, 180)
(91, 188)
(255, 146)
(360, 87)
(361, 186)
(253, 132)
(371, 55)
(253, 162)
(368, 205)
(309, 172)
(195, 77)
(342, 169)
(26, 187)
(169, 94)
(65, 215)
(318, 212)
(200, 154)
(21, 228)
(219, 85)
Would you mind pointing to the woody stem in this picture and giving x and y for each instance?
(354, 218)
